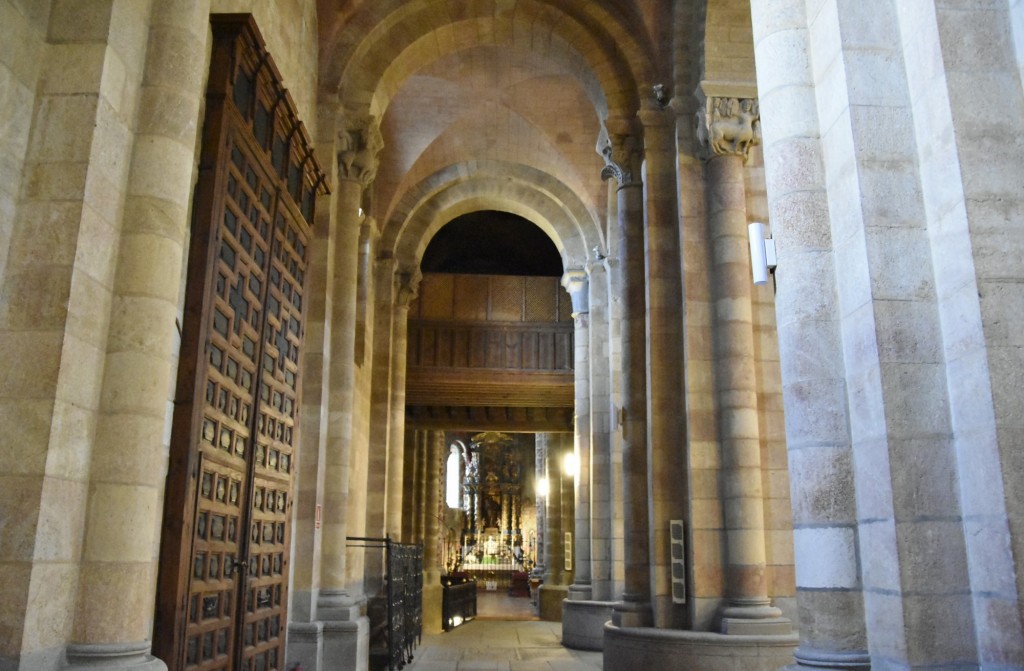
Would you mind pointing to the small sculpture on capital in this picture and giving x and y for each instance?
(730, 126)
(357, 152)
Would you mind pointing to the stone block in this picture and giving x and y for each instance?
(120, 526)
(61, 521)
(879, 557)
(822, 485)
(25, 441)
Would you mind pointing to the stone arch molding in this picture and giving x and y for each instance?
(384, 42)
(518, 189)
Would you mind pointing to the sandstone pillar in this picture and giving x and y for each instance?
(575, 282)
(622, 155)
(554, 589)
(338, 605)
(432, 481)
(600, 435)
(407, 283)
(113, 614)
(666, 431)
(729, 127)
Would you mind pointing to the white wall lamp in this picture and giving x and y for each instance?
(762, 253)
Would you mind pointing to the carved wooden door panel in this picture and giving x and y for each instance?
(223, 583)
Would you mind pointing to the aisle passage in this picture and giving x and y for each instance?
(493, 645)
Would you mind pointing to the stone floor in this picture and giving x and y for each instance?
(496, 642)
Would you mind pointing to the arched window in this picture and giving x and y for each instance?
(453, 479)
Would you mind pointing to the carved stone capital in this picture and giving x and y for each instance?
(620, 144)
(576, 282)
(359, 142)
(728, 126)
(407, 285)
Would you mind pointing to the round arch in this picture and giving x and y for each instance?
(520, 190)
(382, 45)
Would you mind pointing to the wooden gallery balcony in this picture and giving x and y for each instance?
(490, 352)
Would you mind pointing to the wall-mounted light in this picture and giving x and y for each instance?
(569, 464)
(762, 253)
(542, 488)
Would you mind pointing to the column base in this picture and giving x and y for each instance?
(806, 658)
(583, 623)
(305, 645)
(346, 645)
(627, 649)
(580, 592)
(432, 596)
(113, 657)
(755, 620)
(551, 598)
(627, 614)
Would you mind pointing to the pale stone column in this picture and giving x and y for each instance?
(113, 616)
(335, 602)
(554, 589)
(810, 346)
(729, 127)
(432, 480)
(666, 431)
(407, 282)
(380, 354)
(567, 507)
(600, 435)
(338, 607)
(305, 632)
(622, 154)
(540, 475)
(411, 475)
(974, 230)
(360, 441)
(575, 282)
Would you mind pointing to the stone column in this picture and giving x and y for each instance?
(728, 127)
(338, 607)
(622, 154)
(833, 633)
(575, 282)
(540, 475)
(567, 514)
(356, 425)
(407, 282)
(554, 590)
(600, 435)
(666, 433)
(380, 354)
(433, 484)
(137, 280)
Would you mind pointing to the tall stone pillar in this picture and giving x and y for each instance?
(728, 127)
(666, 431)
(381, 351)
(600, 435)
(575, 282)
(810, 347)
(407, 283)
(338, 607)
(540, 476)
(137, 284)
(622, 154)
(554, 590)
(433, 484)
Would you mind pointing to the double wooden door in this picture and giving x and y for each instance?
(223, 584)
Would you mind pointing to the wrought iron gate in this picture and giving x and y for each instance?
(400, 620)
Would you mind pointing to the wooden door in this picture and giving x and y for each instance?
(223, 583)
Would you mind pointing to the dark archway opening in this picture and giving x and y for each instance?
(489, 242)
